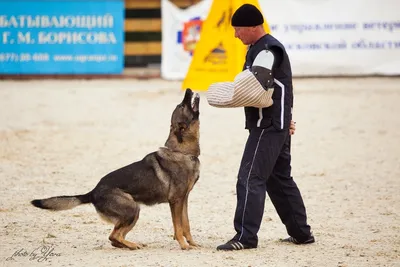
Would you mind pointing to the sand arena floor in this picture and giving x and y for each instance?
(61, 137)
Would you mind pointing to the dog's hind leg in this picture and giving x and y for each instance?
(118, 240)
(126, 230)
(186, 224)
(176, 212)
(121, 209)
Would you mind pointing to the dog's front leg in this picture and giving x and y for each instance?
(176, 213)
(186, 224)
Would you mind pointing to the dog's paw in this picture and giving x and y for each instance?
(185, 247)
(117, 245)
(135, 246)
(194, 244)
(190, 247)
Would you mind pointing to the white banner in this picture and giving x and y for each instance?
(337, 37)
(180, 32)
(322, 37)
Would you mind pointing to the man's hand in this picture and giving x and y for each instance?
(292, 127)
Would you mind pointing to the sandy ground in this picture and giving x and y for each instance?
(61, 137)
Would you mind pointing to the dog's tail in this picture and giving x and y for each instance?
(62, 202)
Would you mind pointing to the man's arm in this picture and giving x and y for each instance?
(263, 67)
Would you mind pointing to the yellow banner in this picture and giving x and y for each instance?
(218, 55)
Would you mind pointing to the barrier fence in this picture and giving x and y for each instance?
(74, 36)
(104, 36)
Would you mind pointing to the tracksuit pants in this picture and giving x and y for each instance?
(265, 167)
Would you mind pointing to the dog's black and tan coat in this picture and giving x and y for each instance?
(164, 176)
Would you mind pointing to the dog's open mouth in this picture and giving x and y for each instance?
(196, 102)
(192, 100)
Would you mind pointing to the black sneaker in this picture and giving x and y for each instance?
(293, 240)
(234, 245)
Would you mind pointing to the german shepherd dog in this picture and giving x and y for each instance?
(164, 176)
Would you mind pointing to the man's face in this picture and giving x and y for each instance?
(245, 34)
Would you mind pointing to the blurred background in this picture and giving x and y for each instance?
(157, 38)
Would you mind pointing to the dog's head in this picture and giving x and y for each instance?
(185, 117)
(187, 111)
(185, 123)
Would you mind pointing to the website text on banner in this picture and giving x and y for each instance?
(61, 37)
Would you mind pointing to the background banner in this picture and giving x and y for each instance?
(61, 37)
(180, 33)
(322, 37)
(338, 37)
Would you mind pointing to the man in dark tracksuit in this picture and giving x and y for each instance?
(265, 165)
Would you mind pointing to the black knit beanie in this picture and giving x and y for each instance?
(247, 16)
